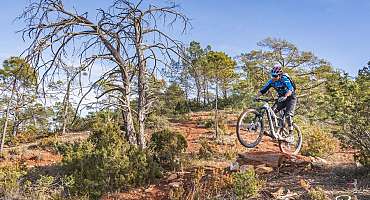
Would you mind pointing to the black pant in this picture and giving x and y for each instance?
(289, 105)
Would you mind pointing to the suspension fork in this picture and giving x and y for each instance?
(270, 114)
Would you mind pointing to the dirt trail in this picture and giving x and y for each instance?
(335, 174)
(32, 156)
(277, 169)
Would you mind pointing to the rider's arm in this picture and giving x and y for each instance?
(288, 93)
(265, 88)
(288, 85)
(258, 95)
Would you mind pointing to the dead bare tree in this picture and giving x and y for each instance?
(152, 45)
(127, 39)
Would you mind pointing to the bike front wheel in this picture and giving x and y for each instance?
(249, 128)
(293, 143)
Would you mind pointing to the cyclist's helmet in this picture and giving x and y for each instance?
(276, 70)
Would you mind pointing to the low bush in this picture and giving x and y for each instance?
(167, 147)
(317, 194)
(181, 118)
(4, 155)
(29, 135)
(317, 141)
(48, 142)
(219, 184)
(206, 151)
(357, 136)
(52, 144)
(157, 123)
(43, 187)
(209, 123)
(363, 156)
(106, 163)
(176, 193)
(10, 176)
(246, 184)
(205, 184)
(230, 153)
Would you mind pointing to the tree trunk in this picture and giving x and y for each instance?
(128, 122)
(7, 116)
(207, 95)
(187, 98)
(15, 127)
(204, 93)
(216, 111)
(65, 107)
(225, 93)
(16, 120)
(197, 84)
(129, 134)
(142, 101)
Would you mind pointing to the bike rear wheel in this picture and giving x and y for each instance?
(292, 147)
(249, 128)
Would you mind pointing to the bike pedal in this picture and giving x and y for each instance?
(266, 133)
(287, 140)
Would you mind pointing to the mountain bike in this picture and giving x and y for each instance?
(254, 123)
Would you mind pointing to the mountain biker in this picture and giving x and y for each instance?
(286, 93)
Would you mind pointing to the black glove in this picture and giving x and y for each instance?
(281, 99)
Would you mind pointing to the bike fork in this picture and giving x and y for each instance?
(271, 124)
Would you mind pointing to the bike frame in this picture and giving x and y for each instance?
(272, 119)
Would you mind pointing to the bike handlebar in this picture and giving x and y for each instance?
(265, 100)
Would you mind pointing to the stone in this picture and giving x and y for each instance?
(175, 184)
(319, 162)
(279, 192)
(234, 166)
(172, 177)
(263, 169)
(244, 168)
(150, 188)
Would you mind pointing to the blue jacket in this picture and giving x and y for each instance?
(281, 86)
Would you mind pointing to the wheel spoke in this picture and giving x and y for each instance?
(294, 146)
(249, 128)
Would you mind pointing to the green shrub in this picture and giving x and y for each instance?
(317, 141)
(44, 187)
(167, 147)
(205, 151)
(4, 155)
(181, 118)
(51, 143)
(80, 124)
(157, 122)
(316, 194)
(246, 184)
(209, 123)
(177, 193)
(10, 180)
(106, 163)
(47, 142)
(357, 136)
(363, 156)
(230, 153)
(29, 135)
(14, 151)
(17, 183)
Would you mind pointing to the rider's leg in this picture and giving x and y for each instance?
(279, 106)
(289, 112)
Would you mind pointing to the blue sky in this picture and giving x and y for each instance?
(336, 30)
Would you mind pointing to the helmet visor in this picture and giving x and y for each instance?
(274, 74)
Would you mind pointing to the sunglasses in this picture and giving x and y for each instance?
(274, 76)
